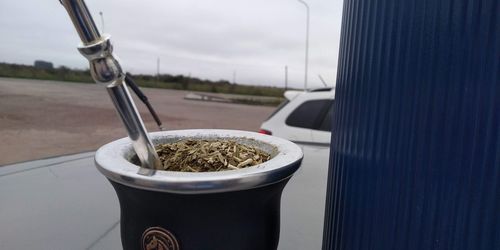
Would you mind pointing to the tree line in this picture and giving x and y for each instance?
(167, 81)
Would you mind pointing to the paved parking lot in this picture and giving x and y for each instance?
(44, 118)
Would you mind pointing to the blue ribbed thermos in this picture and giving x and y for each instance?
(415, 152)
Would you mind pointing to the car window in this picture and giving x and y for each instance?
(282, 105)
(326, 124)
(306, 115)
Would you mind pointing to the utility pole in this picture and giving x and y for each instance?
(158, 69)
(286, 77)
(307, 42)
(234, 76)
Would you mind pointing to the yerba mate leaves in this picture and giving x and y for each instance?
(208, 155)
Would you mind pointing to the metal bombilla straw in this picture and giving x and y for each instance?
(106, 69)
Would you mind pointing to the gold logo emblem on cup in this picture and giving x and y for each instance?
(157, 238)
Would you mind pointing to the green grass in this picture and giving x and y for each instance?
(60, 74)
(165, 81)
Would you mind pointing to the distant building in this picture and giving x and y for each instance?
(39, 64)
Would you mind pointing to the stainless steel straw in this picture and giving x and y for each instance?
(106, 69)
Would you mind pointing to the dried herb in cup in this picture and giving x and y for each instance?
(208, 155)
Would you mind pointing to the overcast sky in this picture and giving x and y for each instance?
(208, 39)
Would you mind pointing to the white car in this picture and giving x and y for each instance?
(304, 117)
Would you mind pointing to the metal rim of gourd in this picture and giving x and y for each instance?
(114, 161)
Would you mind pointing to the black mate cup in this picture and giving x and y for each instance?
(233, 210)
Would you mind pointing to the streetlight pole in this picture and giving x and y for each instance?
(102, 21)
(307, 42)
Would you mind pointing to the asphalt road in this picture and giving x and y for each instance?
(45, 118)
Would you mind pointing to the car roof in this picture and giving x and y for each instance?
(292, 94)
(65, 203)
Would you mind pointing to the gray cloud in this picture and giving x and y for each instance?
(209, 39)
